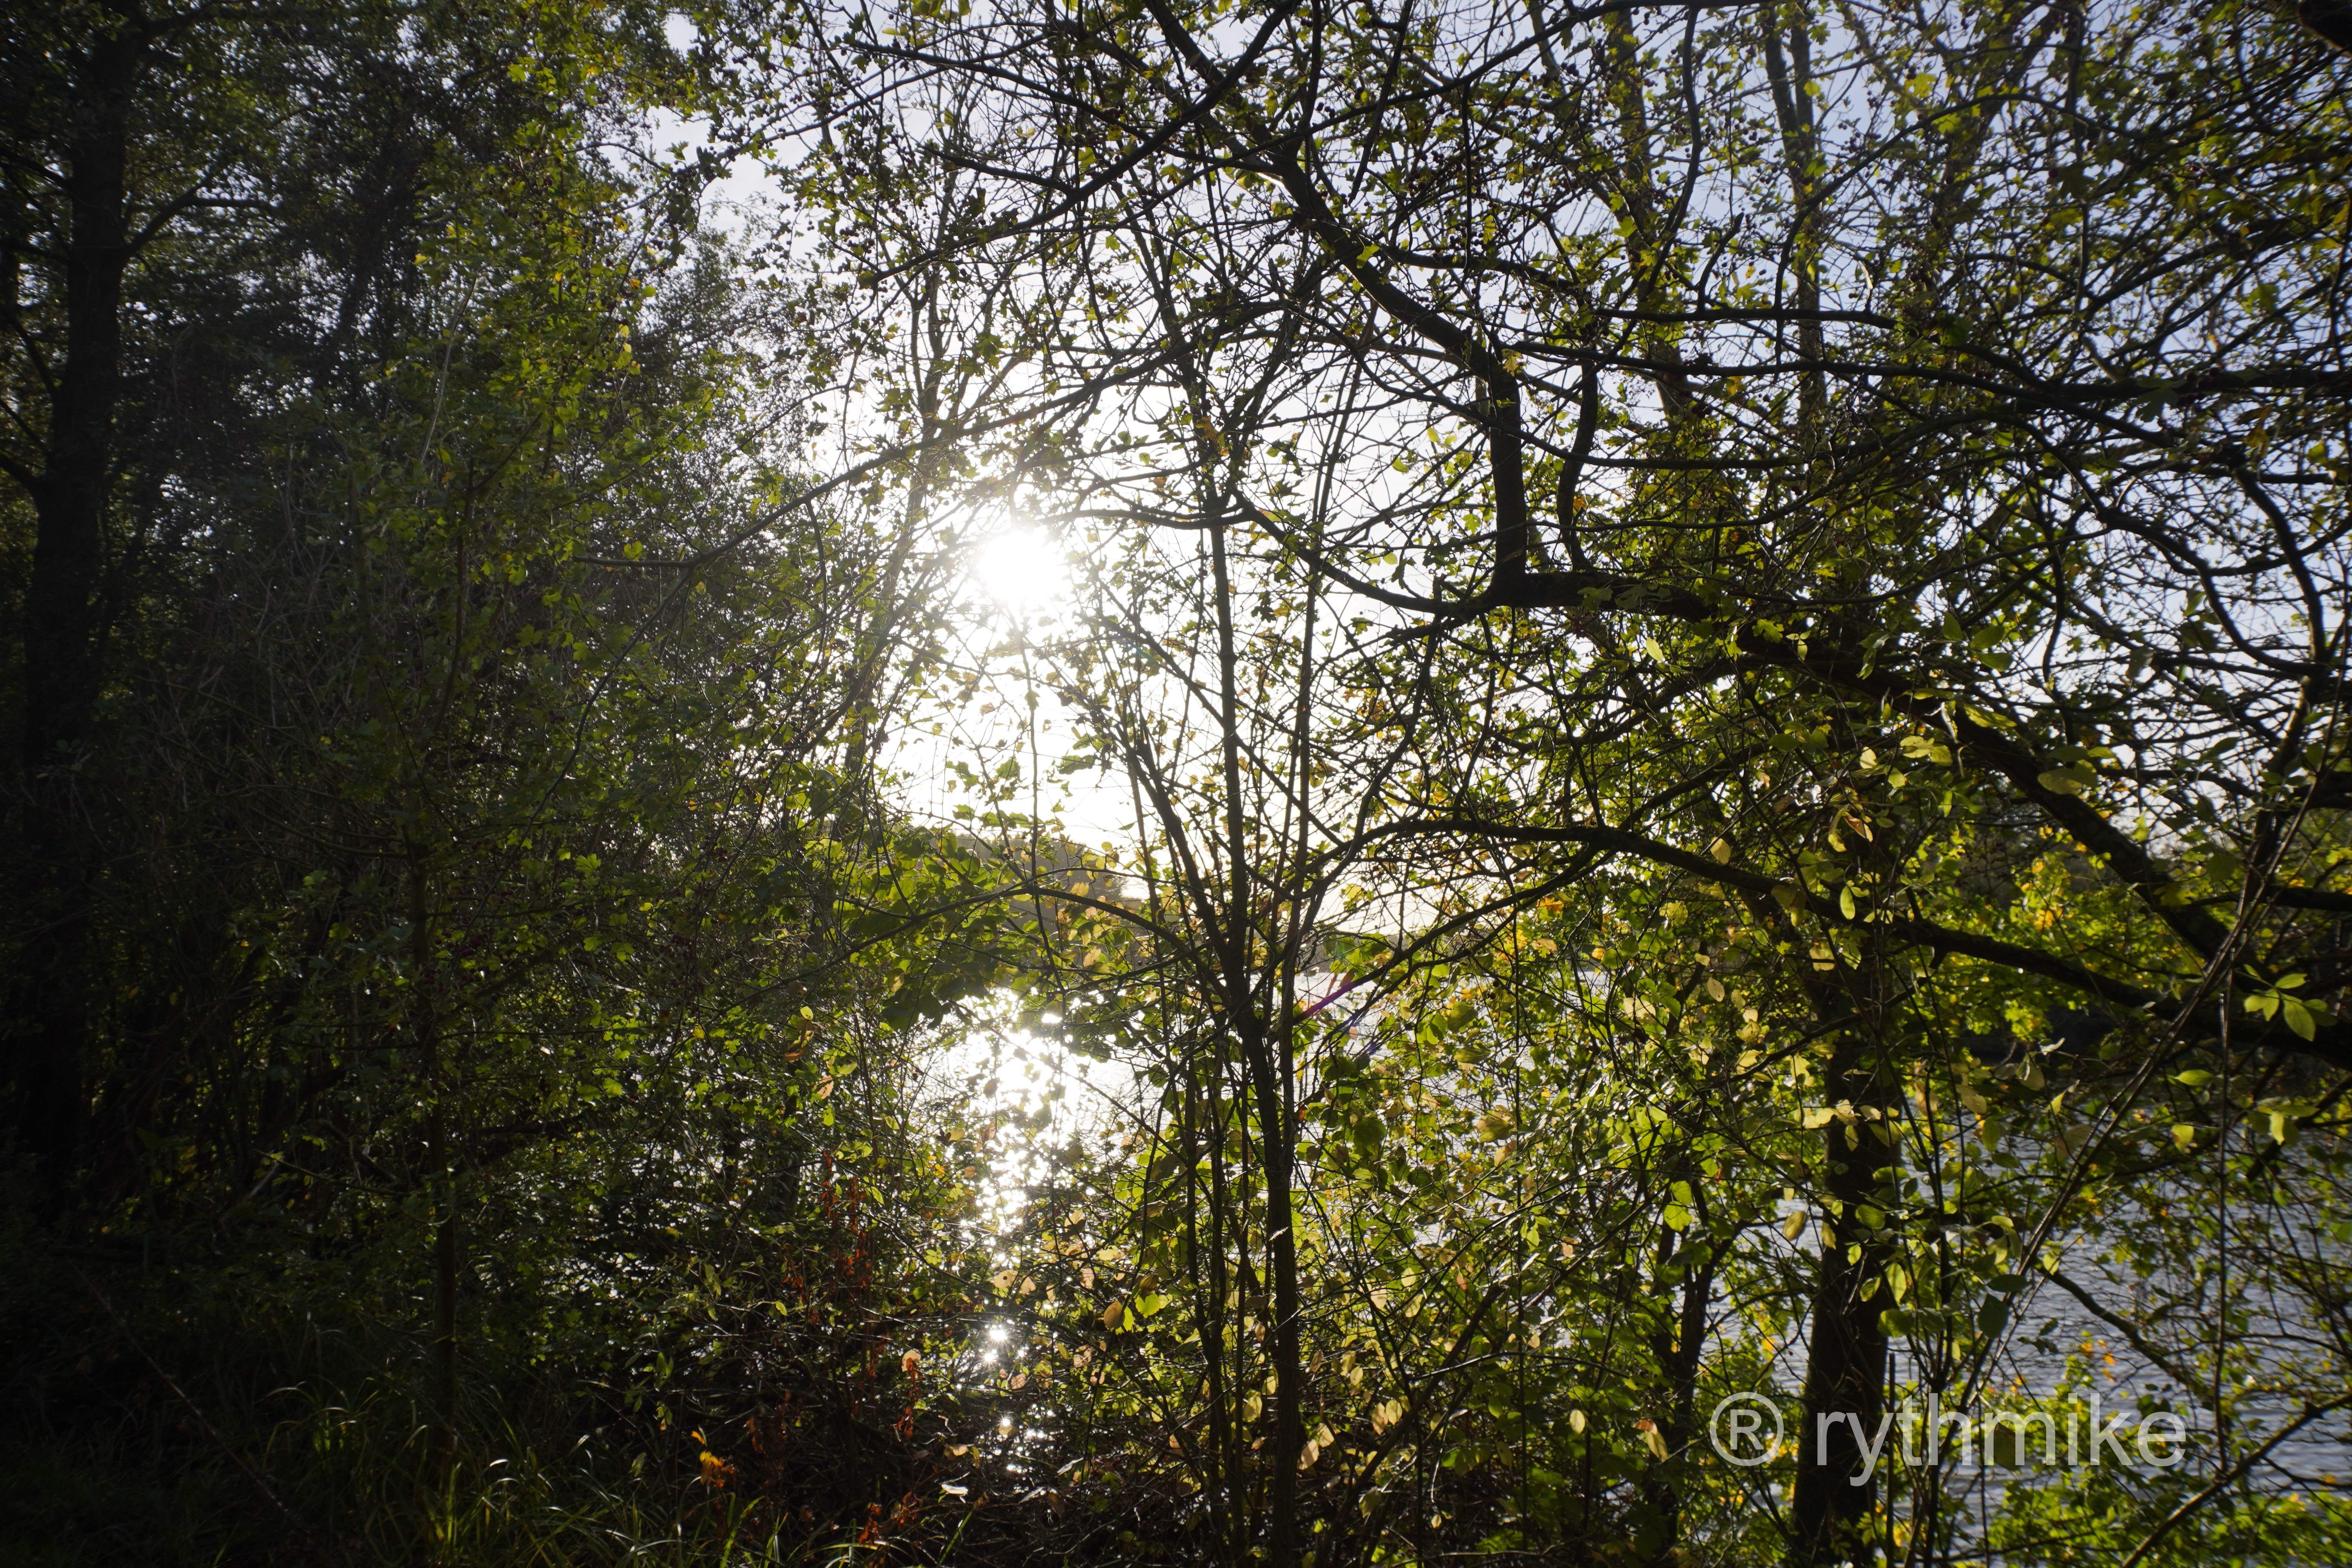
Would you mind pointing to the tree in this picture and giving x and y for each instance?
(432, 940)
(1939, 451)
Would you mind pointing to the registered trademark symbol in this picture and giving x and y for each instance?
(1745, 1429)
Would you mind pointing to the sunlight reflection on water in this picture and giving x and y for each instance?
(1035, 1095)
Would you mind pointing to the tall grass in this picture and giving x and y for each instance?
(173, 1418)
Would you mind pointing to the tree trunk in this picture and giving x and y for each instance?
(1265, 1048)
(1685, 1269)
(1846, 1374)
(1282, 1265)
(60, 623)
(440, 1177)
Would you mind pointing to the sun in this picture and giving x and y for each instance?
(1021, 568)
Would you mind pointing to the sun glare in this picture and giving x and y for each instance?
(1021, 568)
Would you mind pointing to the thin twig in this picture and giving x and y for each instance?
(2230, 1477)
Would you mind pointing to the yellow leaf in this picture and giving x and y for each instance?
(1794, 1226)
(1112, 1314)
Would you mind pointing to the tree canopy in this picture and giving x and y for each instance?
(1665, 739)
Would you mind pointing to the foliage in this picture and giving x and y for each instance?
(1709, 639)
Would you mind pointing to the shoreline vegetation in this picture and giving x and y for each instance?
(1175, 782)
